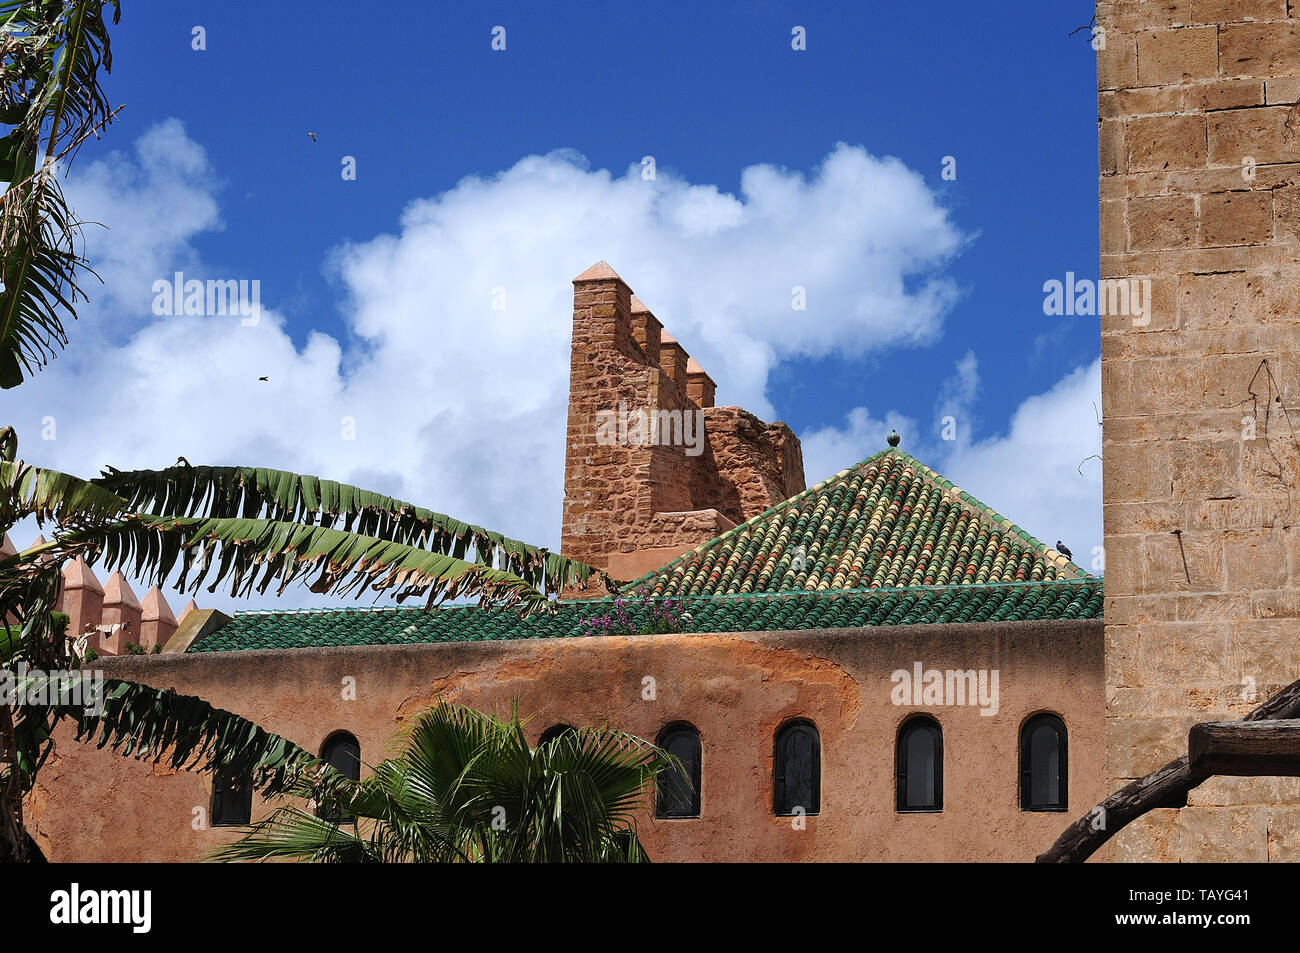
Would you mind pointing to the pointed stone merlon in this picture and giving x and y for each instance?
(646, 329)
(157, 624)
(673, 358)
(699, 385)
(122, 618)
(82, 598)
(195, 624)
(602, 313)
(607, 315)
(47, 558)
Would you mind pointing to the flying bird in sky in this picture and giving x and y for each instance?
(264, 378)
(313, 136)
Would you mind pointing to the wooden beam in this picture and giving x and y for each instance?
(1246, 748)
(1164, 787)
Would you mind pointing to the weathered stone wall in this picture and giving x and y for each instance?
(619, 496)
(751, 465)
(736, 689)
(1200, 193)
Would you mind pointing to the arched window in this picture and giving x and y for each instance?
(678, 790)
(342, 752)
(920, 765)
(1044, 766)
(553, 732)
(232, 799)
(797, 769)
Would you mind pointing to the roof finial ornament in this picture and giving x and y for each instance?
(893, 438)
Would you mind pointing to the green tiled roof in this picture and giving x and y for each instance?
(889, 521)
(1077, 599)
(885, 542)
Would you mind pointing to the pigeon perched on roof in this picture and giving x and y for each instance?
(1064, 550)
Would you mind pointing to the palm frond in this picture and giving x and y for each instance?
(467, 787)
(39, 264)
(296, 834)
(51, 53)
(187, 733)
(27, 490)
(251, 554)
(258, 492)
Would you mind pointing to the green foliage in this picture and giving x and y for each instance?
(26, 490)
(642, 616)
(51, 53)
(468, 788)
(187, 733)
(254, 553)
(257, 493)
(99, 521)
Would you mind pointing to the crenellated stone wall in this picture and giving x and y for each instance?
(631, 506)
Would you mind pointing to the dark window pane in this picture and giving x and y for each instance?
(232, 800)
(797, 768)
(343, 753)
(1044, 757)
(553, 732)
(679, 790)
(1043, 764)
(920, 766)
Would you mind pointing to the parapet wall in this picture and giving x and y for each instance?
(108, 615)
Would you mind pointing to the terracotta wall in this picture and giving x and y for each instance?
(1200, 194)
(736, 690)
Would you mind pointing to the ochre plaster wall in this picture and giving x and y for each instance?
(736, 689)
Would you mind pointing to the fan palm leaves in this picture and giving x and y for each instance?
(467, 787)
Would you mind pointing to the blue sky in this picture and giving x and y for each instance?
(706, 89)
(211, 170)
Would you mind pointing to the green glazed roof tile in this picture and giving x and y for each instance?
(889, 521)
(885, 542)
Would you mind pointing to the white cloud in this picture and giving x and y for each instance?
(829, 450)
(142, 210)
(458, 406)
(1038, 474)
(957, 401)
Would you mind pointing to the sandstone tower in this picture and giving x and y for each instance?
(629, 507)
(1200, 192)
